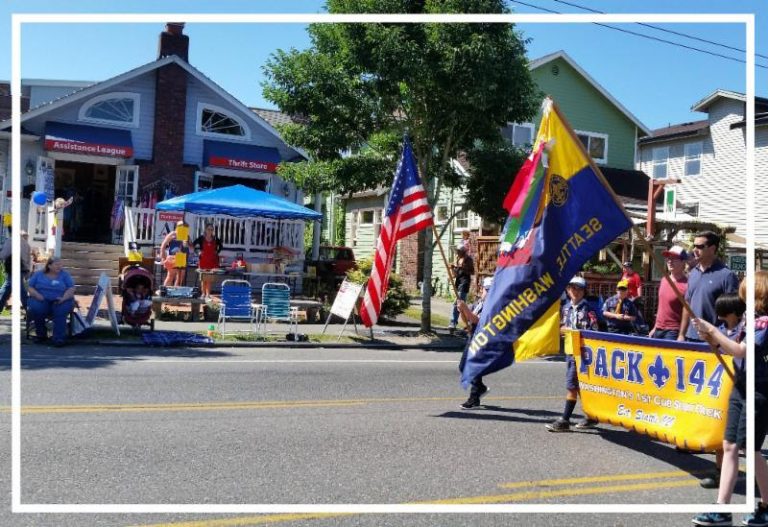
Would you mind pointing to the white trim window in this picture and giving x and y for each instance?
(660, 162)
(214, 121)
(693, 153)
(596, 144)
(116, 108)
(366, 217)
(441, 214)
(519, 134)
(461, 220)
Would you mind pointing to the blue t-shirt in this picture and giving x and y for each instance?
(51, 288)
(703, 289)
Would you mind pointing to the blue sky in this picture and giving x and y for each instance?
(657, 82)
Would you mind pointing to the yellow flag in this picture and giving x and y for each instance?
(542, 339)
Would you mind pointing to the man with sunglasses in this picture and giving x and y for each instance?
(707, 281)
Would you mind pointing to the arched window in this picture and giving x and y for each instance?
(120, 108)
(213, 120)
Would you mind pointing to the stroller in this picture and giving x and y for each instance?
(136, 287)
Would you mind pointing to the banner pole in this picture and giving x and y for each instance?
(634, 228)
(450, 273)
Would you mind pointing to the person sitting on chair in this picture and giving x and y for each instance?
(51, 294)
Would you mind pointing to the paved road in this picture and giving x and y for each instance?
(238, 426)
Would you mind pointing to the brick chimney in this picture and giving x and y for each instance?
(173, 41)
(170, 110)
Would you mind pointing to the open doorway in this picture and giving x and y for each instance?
(92, 189)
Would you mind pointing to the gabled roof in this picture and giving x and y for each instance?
(704, 104)
(536, 63)
(136, 72)
(677, 131)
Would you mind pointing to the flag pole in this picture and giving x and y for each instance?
(635, 229)
(450, 273)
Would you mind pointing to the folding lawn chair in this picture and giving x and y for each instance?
(236, 304)
(276, 306)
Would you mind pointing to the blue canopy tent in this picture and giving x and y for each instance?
(241, 202)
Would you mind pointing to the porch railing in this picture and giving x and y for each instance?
(247, 235)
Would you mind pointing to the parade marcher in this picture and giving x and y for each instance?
(619, 311)
(463, 270)
(208, 246)
(576, 314)
(472, 316)
(707, 281)
(670, 310)
(25, 257)
(736, 421)
(634, 282)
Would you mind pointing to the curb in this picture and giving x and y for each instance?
(290, 345)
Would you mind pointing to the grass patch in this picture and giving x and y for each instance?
(414, 312)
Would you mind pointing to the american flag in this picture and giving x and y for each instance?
(408, 211)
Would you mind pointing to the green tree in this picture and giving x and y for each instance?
(493, 167)
(360, 86)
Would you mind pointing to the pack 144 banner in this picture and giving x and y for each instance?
(676, 392)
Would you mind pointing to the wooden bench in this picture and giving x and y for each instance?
(194, 303)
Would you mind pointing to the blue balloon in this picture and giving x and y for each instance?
(38, 198)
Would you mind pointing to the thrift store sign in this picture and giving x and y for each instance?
(676, 392)
(242, 164)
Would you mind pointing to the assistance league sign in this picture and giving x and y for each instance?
(676, 392)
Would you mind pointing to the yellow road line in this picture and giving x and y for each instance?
(685, 481)
(252, 405)
(599, 479)
(251, 520)
(581, 491)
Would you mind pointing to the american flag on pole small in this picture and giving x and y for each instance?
(408, 211)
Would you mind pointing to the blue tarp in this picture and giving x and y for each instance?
(239, 201)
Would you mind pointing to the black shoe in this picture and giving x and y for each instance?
(559, 425)
(710, 482)
(474, 398)
(586, 424)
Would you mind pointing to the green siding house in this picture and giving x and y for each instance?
(608, 130)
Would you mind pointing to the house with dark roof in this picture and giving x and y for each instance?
(161, 129)
(705, 162)
(608, 130)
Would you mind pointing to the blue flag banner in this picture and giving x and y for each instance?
(572, 215)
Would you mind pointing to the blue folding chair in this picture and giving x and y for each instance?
(276, 306)
(236, 304)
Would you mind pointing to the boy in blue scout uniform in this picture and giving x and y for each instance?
(619, 311)
(575, 314)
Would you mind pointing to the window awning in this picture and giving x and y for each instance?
(239, 156)
(87, 140)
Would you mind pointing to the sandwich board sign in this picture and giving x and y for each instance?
(344, 304)
(103, 288)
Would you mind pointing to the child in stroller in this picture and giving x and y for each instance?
(137, 296)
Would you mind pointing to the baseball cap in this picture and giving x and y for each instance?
(487, 282)
(623, 284)
(676, 252)
(578, 281)
(627, 264)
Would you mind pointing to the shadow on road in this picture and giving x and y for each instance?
(689, 462)
(91, 357)
(528, 416)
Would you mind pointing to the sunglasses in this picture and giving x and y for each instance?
(700, 246)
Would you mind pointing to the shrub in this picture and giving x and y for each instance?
(397, 300)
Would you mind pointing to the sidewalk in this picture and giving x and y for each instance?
(399, 334)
